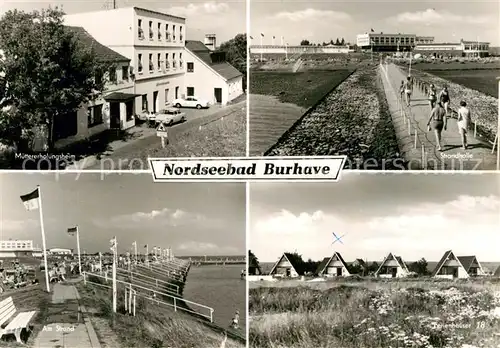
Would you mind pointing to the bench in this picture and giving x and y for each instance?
(17, 323)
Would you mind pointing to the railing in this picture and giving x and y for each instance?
(141, 290)
(169, 274)
(151, 280)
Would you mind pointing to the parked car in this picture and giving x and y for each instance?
(190, 102)
(169, 116)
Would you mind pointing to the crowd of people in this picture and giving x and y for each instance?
(439, 111)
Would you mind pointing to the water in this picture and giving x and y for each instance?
(221, 288)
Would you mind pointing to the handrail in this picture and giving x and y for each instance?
(170, 274)
(175, 298)
(148, 277)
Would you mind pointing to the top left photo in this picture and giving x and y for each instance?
(105, 85)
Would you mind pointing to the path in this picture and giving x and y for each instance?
(425, 154)
(66, 327)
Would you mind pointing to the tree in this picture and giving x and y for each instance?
(253, 263)
(372, 268)
(419, 267)
(305, 43)
(48, 73)
(236, 54)
(298, 262)
(342, 42)
(337, 42)
(331, 42)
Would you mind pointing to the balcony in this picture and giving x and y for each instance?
(159, 36)
(168, 38)
(140, 34)
(151, 68)
(139, 69)
(173, 38)
(151, 35)
(174, 65)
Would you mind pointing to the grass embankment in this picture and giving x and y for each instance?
(374, 315)
(302, 88)
(153, 326)
(353, 120)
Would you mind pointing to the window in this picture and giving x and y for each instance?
(167, 34)
(112, 75)
(94, 115)
(173, 61)
(180, 33)
(180, 60)
(159, 61)
(151, 65)
(190, 67)
(151, 30)
(125, 73)
(159, 31)
(190, 91)
(139, 63)
(173, 32)
(129, 107)
(167, 63)
(140, 32)
(145, 102)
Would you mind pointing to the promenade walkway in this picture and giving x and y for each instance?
(65, 326)
(418, 145)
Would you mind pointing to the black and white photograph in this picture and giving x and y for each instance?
(383, 260)
(393, 85)
(91, 261)
(105, 85)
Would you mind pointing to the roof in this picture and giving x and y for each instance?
(468, 262)
(328, 259)
(103, 53)
(202, 52)
(497, 272)
(156, 12)
(398, 259)
(119, 96)
(289, 257)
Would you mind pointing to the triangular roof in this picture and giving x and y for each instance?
(497, 272)
(103, 53)
(468, 261)
(289, 258)
(398, 259)
(203, 53)
(328, 260)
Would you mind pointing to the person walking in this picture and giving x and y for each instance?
(444, 98)
(463, 122)
(437, 122)
(402, 89)
(236, 320)
(408, 89)
(432, 96)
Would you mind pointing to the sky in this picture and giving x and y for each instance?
(411, 215)
(225, 19)
(193, 219)
(318, 21)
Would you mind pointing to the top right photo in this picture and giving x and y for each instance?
(391, 85)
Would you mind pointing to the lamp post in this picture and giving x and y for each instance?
(498, 127)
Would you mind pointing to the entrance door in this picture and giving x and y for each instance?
(455, 272)
(288, 272)
(218, 95)
(394, 272)
(114, 115)
(156, 102)
(339, 272)
(177, 92)
(190, 91)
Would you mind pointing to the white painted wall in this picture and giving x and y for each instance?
(149, 86)
(235, 88)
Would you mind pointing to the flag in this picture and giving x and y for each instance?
(112, 243)
(262, 34)
(72, 230)
(146, 246)
(372, 30)
(251, 37)
(274, 37)
(31, 201)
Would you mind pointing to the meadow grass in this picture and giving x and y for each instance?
(369, 314)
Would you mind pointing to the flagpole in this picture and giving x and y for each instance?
(43, 239)
(78, 248)
(261, 47)
(147, 252)
(135, 251)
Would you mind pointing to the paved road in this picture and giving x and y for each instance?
(120, 158)
(425, 155)
(71, 333)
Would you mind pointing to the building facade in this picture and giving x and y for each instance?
(286, 49)
(60, 251)
(468, 49)
(16, 248)
(222, 82)
(154, 43)
(389, 42)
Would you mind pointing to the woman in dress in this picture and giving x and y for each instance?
(437, 122)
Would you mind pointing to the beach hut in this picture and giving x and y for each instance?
(333, 266)
(457, 267)
(392, 267)
(286, 266)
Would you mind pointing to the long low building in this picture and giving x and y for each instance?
(458, 49)
(285, 49)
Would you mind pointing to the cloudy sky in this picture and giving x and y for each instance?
(413, 216)
(193, 219)
(318, 21)
(225, 19)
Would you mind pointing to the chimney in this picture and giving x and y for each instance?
(210, 42)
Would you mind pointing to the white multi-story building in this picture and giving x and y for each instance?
(60, 251)
(388, 42)
(154, 43)
(457, 49)
(16, 245)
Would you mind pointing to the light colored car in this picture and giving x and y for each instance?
(190, 102)
(169, 116)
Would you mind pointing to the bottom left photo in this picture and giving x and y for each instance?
(93, 260)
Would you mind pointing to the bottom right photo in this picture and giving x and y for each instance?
(375, 260)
